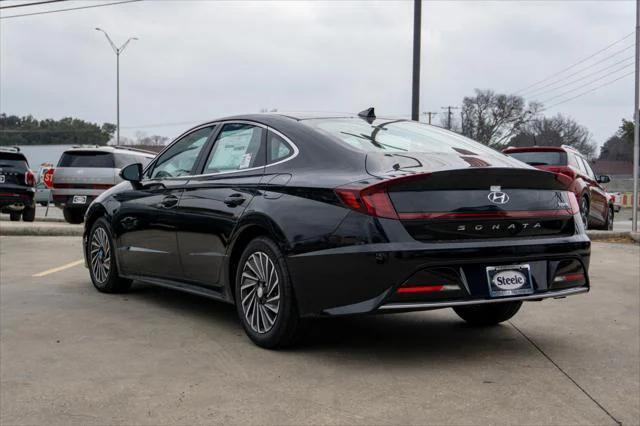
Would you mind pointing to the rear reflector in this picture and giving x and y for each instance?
(426, 288)
(579, 276)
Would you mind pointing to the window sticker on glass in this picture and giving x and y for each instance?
(246, 161)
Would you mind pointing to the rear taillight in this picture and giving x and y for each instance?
(29, 178)
(373, 199)
(573, 201)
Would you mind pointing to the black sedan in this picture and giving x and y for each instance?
(291, 217)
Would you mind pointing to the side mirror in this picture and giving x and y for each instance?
(604, 179)
(132, 173)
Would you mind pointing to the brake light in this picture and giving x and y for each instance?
(426, 288)
(29, 178)
(573, 202)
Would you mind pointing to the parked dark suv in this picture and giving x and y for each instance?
(17, 185)
(596, 207)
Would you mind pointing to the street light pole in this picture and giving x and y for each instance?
(117, 51)
(415, 90)
(636, 133)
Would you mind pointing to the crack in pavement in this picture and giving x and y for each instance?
(618, 422)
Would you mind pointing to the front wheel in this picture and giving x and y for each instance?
(264, 296)
(490, 314)
(103, 268)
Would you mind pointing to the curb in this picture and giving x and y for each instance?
(613, 235)
(42, 231)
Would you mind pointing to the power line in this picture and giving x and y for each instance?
(588, 91)
(582, 86)
(31, 4)
(589, 75)
(582, 70)
(576, 63)
(68, 9)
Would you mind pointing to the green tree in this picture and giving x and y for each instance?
(27, 130)
(619, 147)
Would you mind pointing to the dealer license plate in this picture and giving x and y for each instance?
(509, 280)
(79, 199)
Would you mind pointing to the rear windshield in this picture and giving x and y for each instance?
(541, 158)
(398, 136)
(86, 159)
(9, 159)
(123, 160)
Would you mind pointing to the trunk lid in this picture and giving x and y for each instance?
(444, 197)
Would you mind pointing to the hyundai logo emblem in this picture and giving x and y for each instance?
(498, 197)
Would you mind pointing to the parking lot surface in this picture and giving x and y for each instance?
(71, 355)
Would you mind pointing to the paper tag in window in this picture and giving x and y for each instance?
(246, 161)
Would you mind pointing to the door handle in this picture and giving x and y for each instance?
(234, 200)
(169, 201)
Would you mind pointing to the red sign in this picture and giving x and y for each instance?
(47, 178)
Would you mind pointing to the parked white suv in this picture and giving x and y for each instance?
(83, 173)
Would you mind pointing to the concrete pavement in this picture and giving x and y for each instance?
(71, 355)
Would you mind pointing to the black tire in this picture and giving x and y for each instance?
(74, 216)
(287, 327)
(109, 282)
(490, 314)
(584, 211)
(43, 204)
(29, 214)
(15, 216)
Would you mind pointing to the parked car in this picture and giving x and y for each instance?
(83, 173)
(596, 208)
(291, 217)
(616, 199)
(17, 183)
(43, 194)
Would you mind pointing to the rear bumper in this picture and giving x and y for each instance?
(64, 197)
(557, 294)
(16, 200)
(364, 278)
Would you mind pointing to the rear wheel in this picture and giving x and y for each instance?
(584, 211)
(15, 216)
(103, 268)
(74, 216)
(29, 214)
(490, 314)
(264, 296)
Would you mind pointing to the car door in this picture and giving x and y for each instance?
(213, 202)
(598, 208)
(146, 221)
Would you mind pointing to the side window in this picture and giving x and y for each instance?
(181, 157)
(581, 167)
(238, 147)
(589, 171)
(278, 149)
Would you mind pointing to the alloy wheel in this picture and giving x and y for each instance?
(260, 292)
(100, 255)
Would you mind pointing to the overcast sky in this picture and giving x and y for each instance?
(198, 60)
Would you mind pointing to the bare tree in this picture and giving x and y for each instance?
(556, 131)
(493, 119)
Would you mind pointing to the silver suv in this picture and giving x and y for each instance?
(83, 173)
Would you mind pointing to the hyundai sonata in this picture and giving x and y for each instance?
(291, 216)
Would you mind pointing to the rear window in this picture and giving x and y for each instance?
(87, 159)
(9, 159)
(398, 136)
(541, 158)
(123, 160)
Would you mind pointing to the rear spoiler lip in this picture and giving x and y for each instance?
(482, 178)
